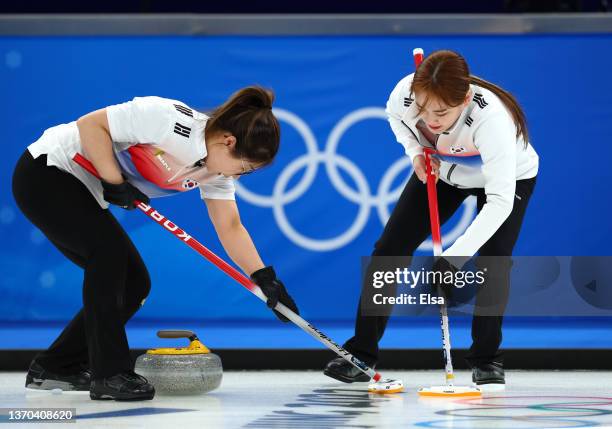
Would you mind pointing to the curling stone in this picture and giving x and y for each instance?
(192, 370)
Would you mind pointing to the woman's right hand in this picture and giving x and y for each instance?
(420, 168)
(123, 194)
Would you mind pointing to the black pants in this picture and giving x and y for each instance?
(408, 227)
(115, 281)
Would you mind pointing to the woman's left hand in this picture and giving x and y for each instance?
(435, 167)
(274, 290)
(420, 167)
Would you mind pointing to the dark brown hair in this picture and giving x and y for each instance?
(445, 75)
(247, 114)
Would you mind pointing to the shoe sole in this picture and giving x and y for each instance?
(345, 379)
(40, 384)
(30, 391)
(120, 397)
(491, 387)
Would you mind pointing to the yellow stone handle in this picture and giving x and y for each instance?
(177, 334)
(195, 346)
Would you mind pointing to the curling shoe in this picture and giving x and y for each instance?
(38, 378)
(342, 370)
(489, 376)
(126, 386)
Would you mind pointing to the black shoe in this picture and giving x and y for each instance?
(489, 373)
(40, 379)
(342, 370)
(126, 386)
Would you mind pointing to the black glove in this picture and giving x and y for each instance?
(443, 269)
(123, 194)
(274, 290)
(454, 293)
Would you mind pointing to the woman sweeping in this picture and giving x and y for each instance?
(480, 135)
(148, 147)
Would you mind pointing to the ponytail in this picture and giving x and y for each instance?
(247, 115)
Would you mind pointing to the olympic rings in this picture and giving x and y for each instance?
(362, 196)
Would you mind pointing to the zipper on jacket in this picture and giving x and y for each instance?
(450, 171)
(417, 137)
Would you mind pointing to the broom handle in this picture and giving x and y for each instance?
(432, 197)
(436, 236)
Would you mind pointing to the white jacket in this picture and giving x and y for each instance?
(480, 150)
(158, 143)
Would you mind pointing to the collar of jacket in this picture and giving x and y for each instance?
(410, 118)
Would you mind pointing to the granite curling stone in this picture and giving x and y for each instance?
(192, 370)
